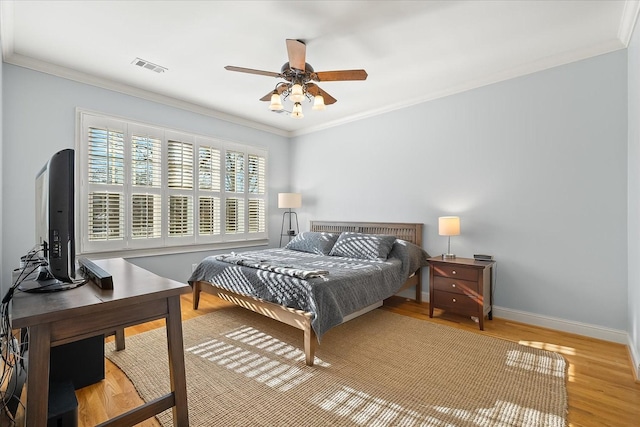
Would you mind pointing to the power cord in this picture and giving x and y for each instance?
(12, 348)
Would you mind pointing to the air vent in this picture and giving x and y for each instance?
(149, 65)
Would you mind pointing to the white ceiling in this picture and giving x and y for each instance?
(413, 51)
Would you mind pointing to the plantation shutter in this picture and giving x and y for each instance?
(180, 165)
(234, 186)
(146, 161)
(234, 215)
(105, 164)
(106, 156)
(209, 169)
(209, 209)
(146, 216)
(146, 180)
(180, 215)
(106, 216)
(234, 176)
(145, 187)
(257, 185)
(180, 177)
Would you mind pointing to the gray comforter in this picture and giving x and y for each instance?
(338, 287)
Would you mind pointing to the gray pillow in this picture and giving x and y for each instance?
(313, 242)
(363, 246)
(413, 256)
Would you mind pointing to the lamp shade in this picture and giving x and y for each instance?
(276, 104)
(318, 102)
(449, 226)
(289, 200)
(297, 94)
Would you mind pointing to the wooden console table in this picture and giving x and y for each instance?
(57, 318)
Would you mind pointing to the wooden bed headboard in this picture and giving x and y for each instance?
(411, 232)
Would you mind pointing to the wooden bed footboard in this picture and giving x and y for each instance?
(410, 232)
(297, 318)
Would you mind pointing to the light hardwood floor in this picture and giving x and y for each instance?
(600, 384)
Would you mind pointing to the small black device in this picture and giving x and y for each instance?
(481, 257)
(95, 274)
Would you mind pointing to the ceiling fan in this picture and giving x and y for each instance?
(299, 77)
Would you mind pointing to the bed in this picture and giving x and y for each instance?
(324, 277)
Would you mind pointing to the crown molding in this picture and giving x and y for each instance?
(80, 77)
(10, 57)
(628, 21)
(519, 71)
(6, 27)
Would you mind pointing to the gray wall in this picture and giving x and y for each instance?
(40, 120)
(633, 54)
(536, 168)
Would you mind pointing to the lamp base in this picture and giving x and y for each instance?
(448, 256)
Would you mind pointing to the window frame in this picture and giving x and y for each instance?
(196, 241)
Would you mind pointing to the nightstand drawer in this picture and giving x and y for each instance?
(455, 271)
(455, 286)
(456, 302)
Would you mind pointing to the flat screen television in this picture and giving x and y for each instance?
(55, 225)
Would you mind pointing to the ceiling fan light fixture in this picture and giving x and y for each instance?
(297, 94)
(297, 76)
(318, 103)
(297, 111)
(276, 104)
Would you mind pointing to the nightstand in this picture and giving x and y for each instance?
(461, 286)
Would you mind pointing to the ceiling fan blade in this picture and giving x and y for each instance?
(332, 76)
(252, 71)
(297, 51)
(314, 89)
(281, 88)
(267, 97)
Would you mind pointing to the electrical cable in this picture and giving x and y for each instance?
(12, 348)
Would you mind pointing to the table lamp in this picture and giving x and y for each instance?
(448, 226)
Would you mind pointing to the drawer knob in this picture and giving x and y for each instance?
(453, 285)
(453, 272)
(454, 300)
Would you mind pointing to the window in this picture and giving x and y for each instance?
(147, 187)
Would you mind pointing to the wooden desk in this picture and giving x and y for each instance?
(56, 318)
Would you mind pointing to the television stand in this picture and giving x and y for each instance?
(59, 318)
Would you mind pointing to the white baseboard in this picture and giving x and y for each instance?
(593, 331)
(579, 328)
(635, 359)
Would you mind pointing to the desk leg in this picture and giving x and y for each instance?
(38, 375)
(176, 363)
(120, 344)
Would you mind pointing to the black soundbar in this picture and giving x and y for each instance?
(95, 274)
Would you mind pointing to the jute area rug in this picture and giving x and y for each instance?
(381, 369)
